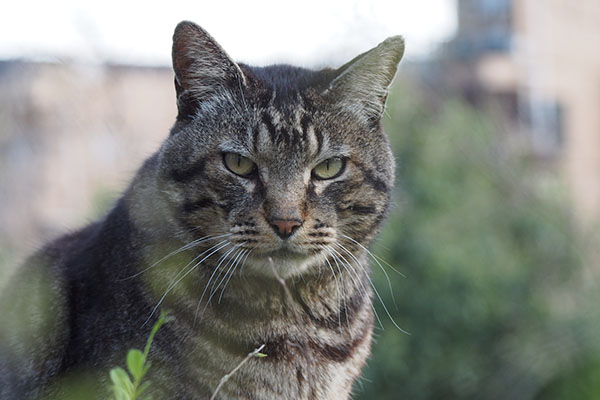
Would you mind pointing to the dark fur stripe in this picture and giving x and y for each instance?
(266, 120)
(373, 181)
(304, 122)
(332, 321)
(226, 205)
(255, 135)
(296, 138)
(360, 209)
(339, 352)
(319, 234)
(347, 313)
(283, 136)
(192, 206)
(377, 220)
(185, 175)
(284, 348)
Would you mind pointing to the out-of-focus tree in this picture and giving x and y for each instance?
(485, 241)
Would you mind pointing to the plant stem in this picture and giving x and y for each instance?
(233, 371)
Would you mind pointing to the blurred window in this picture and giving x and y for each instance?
(497, 38)
(544, 119)
(494, 6)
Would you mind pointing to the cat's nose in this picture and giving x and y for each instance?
(284, 228)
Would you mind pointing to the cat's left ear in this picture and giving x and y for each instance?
(202, 68)
(361, 86)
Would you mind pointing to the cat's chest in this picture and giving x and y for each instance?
(295, 366)
(297, 371)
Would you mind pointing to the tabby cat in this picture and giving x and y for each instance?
(250, 224)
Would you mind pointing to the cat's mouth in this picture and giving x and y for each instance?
(282, 251)
(285, 253)
(283, 262)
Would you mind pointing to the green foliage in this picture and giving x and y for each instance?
(130, 386)
(484, 240)
(582, 383)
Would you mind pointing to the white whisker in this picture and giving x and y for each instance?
(376, 292)
(179, 250)
(351, 270)
(375, 256)
(378, 263)
(228, 267)
(220, 261)
(245, 259)
(231, 275)
(224, 274)
(171, 286)
(337, 286)
(343, 288)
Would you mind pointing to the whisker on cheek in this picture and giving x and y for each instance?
(216, 269)
(174, 282)
(185, 247)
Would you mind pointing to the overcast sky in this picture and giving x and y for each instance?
(304, 32)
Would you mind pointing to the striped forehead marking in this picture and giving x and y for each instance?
(295, 132)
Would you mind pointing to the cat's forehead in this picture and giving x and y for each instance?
(291, 130)
(282, 83)
(281, 118)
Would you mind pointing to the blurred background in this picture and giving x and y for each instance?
(495, 122)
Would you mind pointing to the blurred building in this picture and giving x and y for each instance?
(71, 137)
(540, 59)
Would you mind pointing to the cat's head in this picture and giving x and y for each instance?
(291, 165)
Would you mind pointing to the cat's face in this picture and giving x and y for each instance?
(290, 166)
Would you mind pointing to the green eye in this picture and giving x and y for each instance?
(238, 164)
(329, 169)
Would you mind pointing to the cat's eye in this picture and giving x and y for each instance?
(329, 169)
(238, 164)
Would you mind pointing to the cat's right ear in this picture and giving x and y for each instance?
(202, 69)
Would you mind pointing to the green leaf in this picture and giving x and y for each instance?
(135, 363)
(261, 355)
(123, 387)
(164, 318)
(142, 388)
(121, 380)
(121, 394)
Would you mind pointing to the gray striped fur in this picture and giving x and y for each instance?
(307, 298)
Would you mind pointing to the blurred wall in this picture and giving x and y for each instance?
(71, 137)
(548, 57)
(559, 59)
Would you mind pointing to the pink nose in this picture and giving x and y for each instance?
(285, 227)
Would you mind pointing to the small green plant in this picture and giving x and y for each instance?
(123, 386)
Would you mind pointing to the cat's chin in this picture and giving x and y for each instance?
(281, 263)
